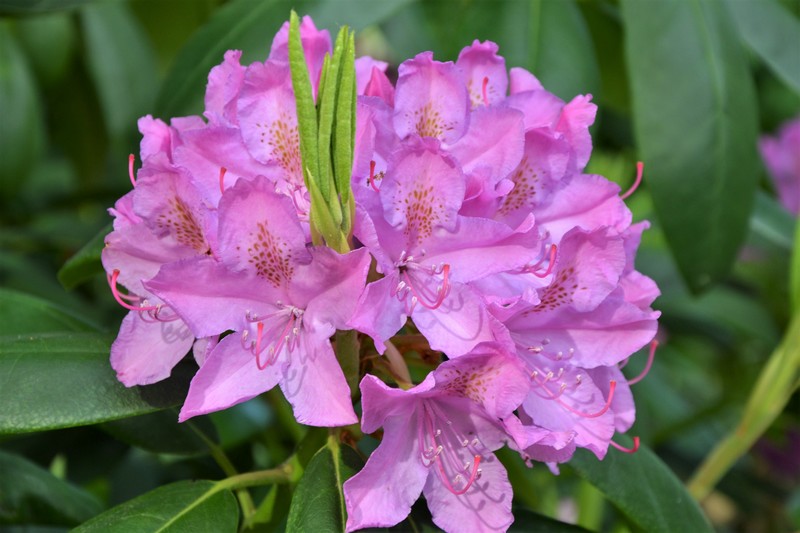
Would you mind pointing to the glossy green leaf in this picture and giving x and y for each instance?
(560, 49)
(771, 222)
(643, 488)
(248, 25)
(121, 63)
(772, 32)
(31, 494)
(21, 135)
(160, 432)
(183, 506)
(695, 125)
(50, 42)
(27, 7)
(794, 275)
(22, 313)
(85, 264)
(318, 503)
(530, 522)
(59, 380)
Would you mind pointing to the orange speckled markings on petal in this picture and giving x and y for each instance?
(559, 292)
(472, 384)
(270, 255)
(284, 141)
(181, 223)
(428, 122)
(524, 190)
(422, 212)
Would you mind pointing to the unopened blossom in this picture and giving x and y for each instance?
(781, 155)
(438, 439)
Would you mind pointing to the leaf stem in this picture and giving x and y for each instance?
(770, 395)
(245, 500)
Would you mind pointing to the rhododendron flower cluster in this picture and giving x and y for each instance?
(781, 155)
(475, 227)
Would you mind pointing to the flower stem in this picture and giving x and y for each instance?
(770, 395)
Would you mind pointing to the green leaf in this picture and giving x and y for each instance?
(771, 222)
(122, 64)
(21, 128)
(60, 380)
(643, 488)
(530, 522)
(695, 125)
(794, 274)
(160, 432)
(559, 36)
(28, 7)
(85, 264)
(773, 32)
(183, 506)
(22, 313)
(31, 494)
(318, 503)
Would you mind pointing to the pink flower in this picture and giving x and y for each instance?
(782, 156)
(438, 439)
(281, 300)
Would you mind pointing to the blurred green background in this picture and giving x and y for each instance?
(686, 86)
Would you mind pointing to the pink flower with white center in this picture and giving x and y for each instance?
(438, 439)
(781, 155)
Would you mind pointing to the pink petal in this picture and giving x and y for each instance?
(480, 62)
(586, 201)
(431, 100)
(259, 232)
(331, 284)
(382, 493)
(146, 351)
(268, 119)
(485, 507)
(521, 80)
(314, 384)
(365, 66)
(381, 401)
(224, 82)
(459, 324)
(228, 376)
(379, 314)
(495, 140)
(423, 190)
(576, 117)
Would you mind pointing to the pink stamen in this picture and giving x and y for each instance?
(112, 282)
(601, 412)
(222, 171)
(274, 350)
(131, 159)
(637, 182)
(485, 92)
(650, 357)
(624, 449)
(553, 252)
(372, 176)
(443, 290)
(472, 477)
